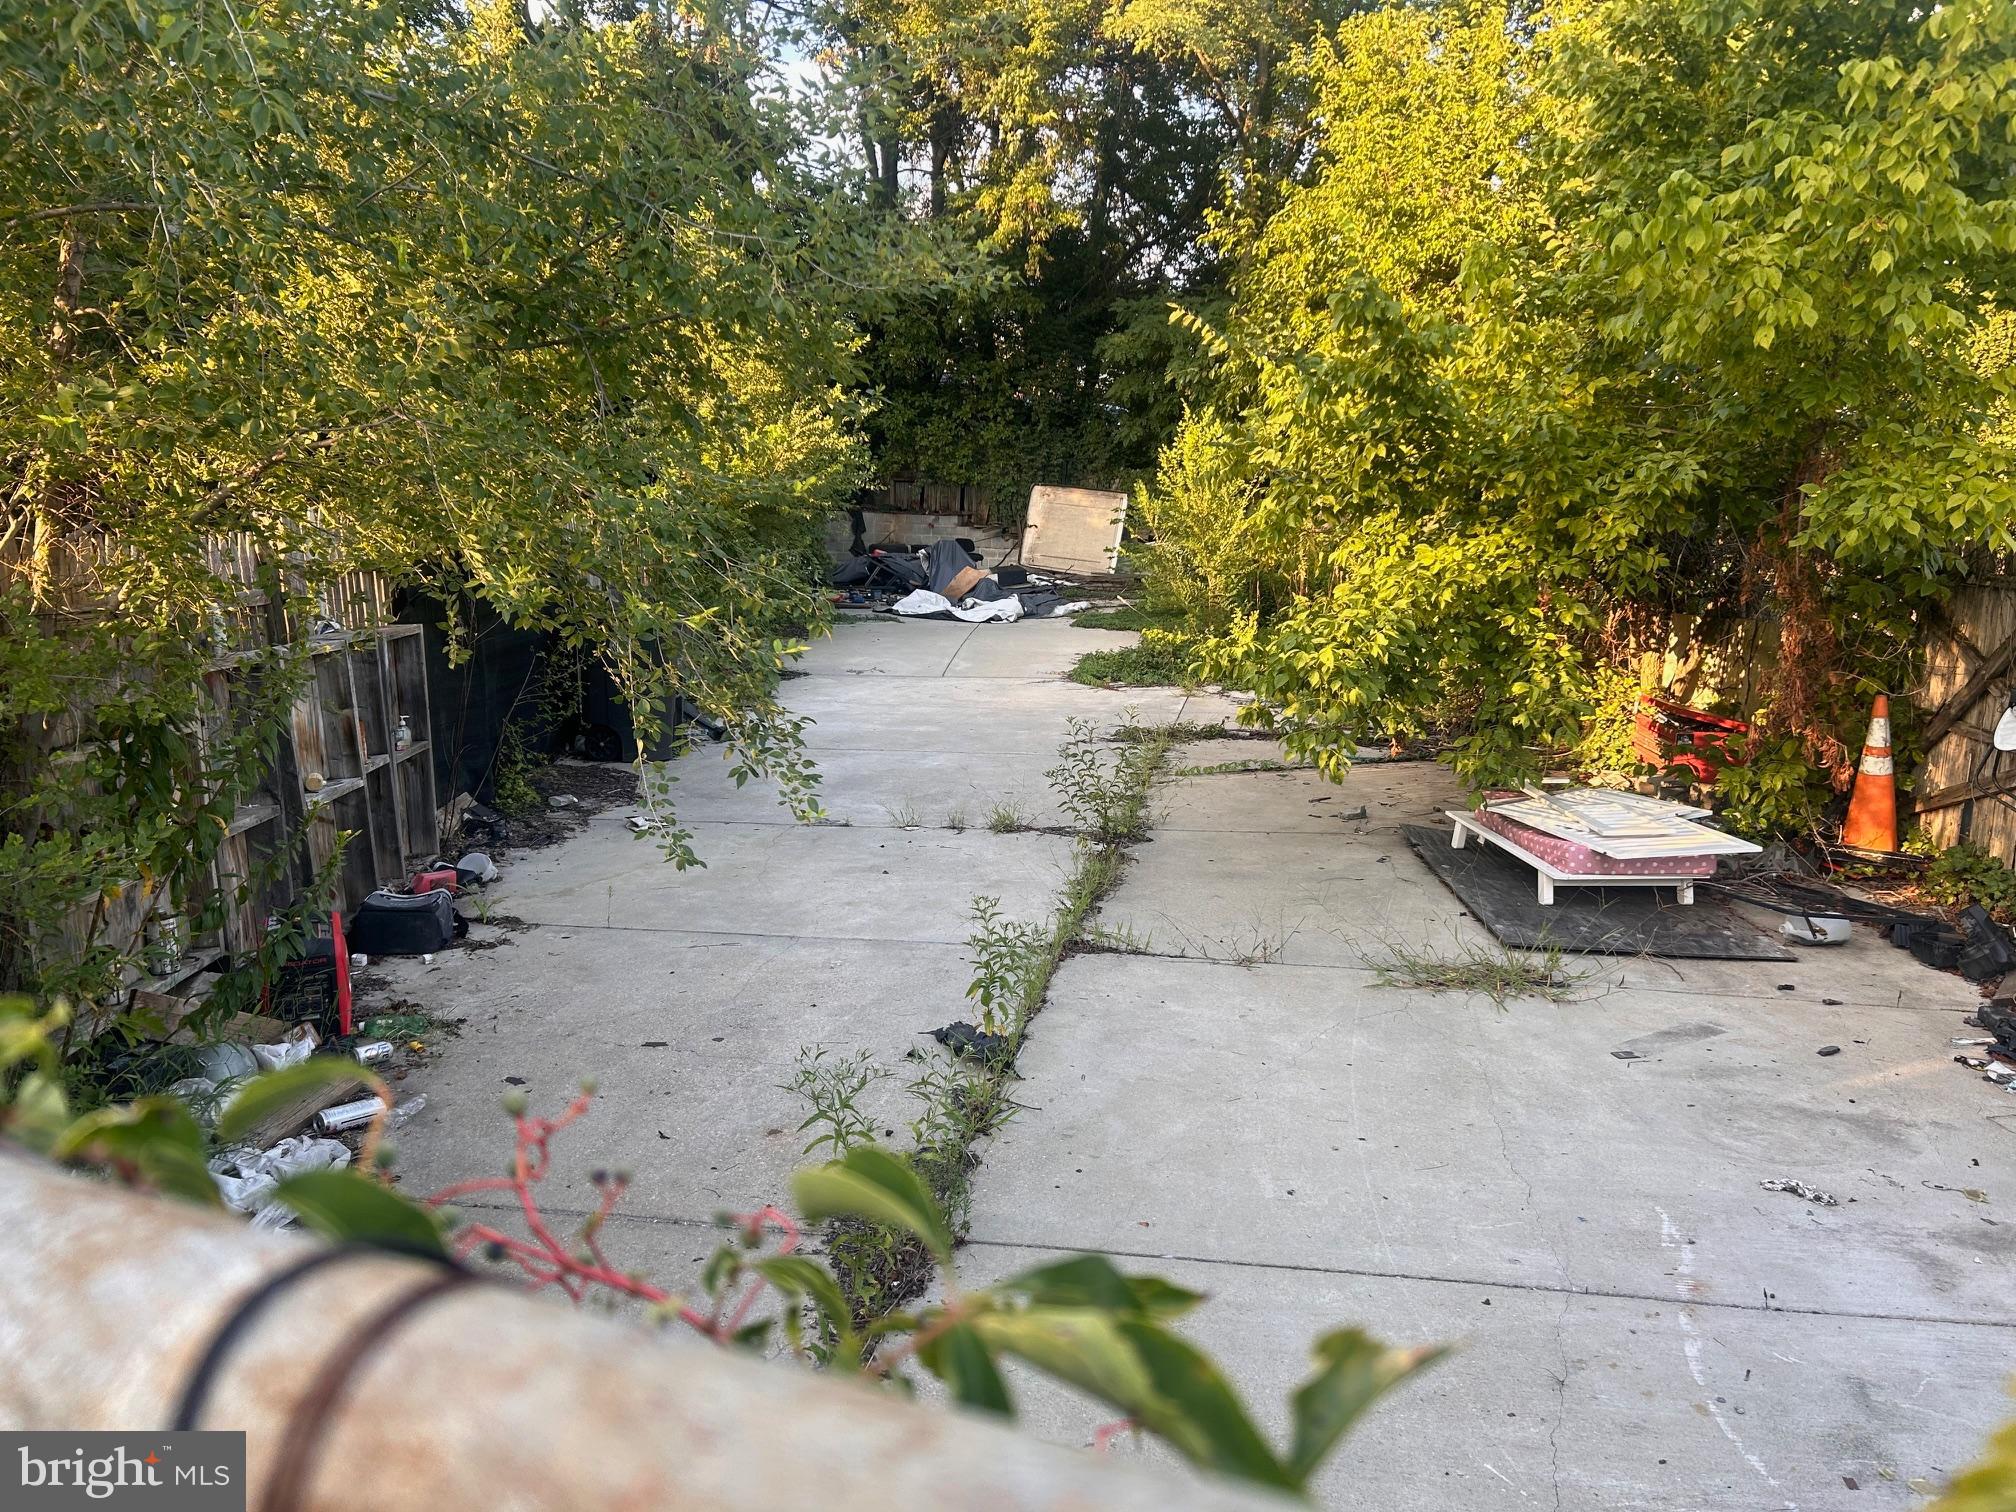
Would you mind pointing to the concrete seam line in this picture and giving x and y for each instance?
(746, 934)
(1649, 987)
(1597, 1293)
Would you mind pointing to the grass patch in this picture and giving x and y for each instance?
(1007, 818)
(1152, 664)
(1182, 731)
(1489, 970)
(1251, 764)
(1111, 939)
(1128, 617)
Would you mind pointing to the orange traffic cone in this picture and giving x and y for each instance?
(1872, 809)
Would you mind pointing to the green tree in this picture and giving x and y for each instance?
(547, 316)
(1083, 144)
(1685, 307)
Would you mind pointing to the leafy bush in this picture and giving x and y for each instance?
(1964, 874)
(1605, 745)
(1776, 791)
(1592, 323)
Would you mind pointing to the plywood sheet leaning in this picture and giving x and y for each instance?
(1074, 529)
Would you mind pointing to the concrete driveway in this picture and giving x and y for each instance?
(1244, 1108)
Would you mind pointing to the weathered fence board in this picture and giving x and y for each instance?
(1966, 789)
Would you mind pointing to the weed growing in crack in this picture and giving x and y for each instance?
(1112, 939)
(1107, 801)
(1489, 970)
(1179, 732)
(1256, 945)
(1008, 966)
(1228, 768)
(955, 817)
(904, 815)
(832, 1086)
(882, 1269)
(960, 1108)
(1006, 818)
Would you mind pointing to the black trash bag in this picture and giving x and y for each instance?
(853, 573)
(481, 822)
(970, 1042)
(1986, 950)
(946, 560)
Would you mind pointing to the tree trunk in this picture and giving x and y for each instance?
(69, 292)
(944, 135)
(1809, 651)
(892, 158)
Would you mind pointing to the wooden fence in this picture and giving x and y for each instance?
(346, 767)
(972, 503)
(1966, 789)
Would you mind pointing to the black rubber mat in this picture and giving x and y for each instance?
(1499, 892)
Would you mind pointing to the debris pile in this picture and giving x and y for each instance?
(948, 580)
(1800, 1189)
(1997, 1061)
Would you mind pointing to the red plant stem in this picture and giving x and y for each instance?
(546, 1260)
(1105, 1433)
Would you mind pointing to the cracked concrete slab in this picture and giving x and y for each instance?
(999, 715)
(877, 788)
(900, 885)
(1640, 1325)
(1308, 1115)
(691, 1040)
(1586, 1404)
(1317, 1149)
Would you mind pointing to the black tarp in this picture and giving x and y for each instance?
(1499, 892)
(561, 703)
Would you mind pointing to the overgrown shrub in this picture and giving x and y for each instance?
(1966, 873)
(1775, 791)
(1605, 748)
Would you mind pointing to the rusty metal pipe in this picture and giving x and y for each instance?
(483, 1397)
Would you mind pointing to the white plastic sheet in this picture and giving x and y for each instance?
(247, 1177)
(923, 601)
(291, 1051)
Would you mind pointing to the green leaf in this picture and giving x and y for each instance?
(959, 1357)
(155, 1136)
(1083, 1347)
(1353, 1370)
(273, 1091)
(1199, 1391)
(873, 1184)
(350, 1206)
(1094, 1281)
(39, 1113)
(796, 1276)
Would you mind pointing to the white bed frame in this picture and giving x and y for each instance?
(1548, 874)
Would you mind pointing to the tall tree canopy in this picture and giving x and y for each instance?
(1085, 144)
(1597, 313)
(554, 317)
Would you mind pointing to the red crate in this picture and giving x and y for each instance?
(1668, 734)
